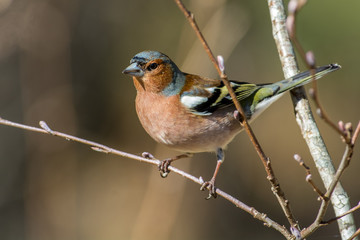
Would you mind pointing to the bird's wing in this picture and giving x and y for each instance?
(203, 96)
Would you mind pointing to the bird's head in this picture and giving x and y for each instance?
(155, 72)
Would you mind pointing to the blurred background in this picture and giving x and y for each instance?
(61, 62)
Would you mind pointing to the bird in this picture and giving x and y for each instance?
(192, 113)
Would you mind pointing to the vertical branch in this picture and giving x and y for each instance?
(306, 122)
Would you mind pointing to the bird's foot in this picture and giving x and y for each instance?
(164, 164)
(211, 186)
(164, 167)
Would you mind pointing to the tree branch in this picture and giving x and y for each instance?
(45, 129)
(305, 118)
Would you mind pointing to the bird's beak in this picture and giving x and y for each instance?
(134, 70)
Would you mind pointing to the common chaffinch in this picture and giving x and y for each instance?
(191, 113)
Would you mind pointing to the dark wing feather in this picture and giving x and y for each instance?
(219, 96)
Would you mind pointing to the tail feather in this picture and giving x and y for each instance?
(305, 77)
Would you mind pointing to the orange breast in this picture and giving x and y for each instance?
(169, 123)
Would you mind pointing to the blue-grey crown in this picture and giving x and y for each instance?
(147, 56)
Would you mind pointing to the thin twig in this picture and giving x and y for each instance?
(191, 18)
(357, 233)
(309, 60)
(356, 134)
(308, 177)
(314, 94)
(275, 186)
(45, 129)
(342, 215)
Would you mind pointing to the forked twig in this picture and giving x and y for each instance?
(322, 210)
(308, 177)
(219, 66)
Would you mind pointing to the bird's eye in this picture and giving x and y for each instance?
(152, 66)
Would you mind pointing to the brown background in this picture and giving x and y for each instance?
(61, 61)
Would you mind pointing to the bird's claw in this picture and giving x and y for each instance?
(164, 167)
(212, 189)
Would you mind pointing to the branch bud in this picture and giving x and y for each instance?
(341, 126)
(221, 64)
(292, 6)
(298, 158)
(319, 112)
(312, 93)
(290, 25)
(310, 59)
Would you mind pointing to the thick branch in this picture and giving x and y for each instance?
(306, 121)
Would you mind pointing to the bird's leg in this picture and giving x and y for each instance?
(164, 164)
(211, 184)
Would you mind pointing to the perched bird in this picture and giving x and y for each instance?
(191, 113)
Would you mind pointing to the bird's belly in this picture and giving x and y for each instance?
(183, 131)
(192, 137)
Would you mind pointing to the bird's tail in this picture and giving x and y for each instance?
(305, 77)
